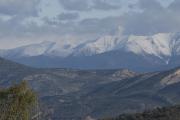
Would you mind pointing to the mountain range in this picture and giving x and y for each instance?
(75, 94)
(139, 53)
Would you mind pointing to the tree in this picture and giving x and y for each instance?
(17, 102)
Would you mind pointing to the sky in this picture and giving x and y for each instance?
(24, 22)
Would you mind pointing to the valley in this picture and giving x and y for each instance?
(75, 94)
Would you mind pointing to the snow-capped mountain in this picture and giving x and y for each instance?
(101, 45)
(112, 50)
(46, 48)
(158, 45)
(161, 45)
(29, 50)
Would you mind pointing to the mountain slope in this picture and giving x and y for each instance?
(109, 60)
(53, 83)
(61, 48)
(139, 93)
(11, 72)
(157, 52)
(158, 45)
(75, 94)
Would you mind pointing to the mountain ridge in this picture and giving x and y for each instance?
(160, 50)
(164, 42)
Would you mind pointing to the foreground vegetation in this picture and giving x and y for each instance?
(169, 113)
(17, 103)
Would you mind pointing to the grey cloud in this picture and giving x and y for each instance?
(87, 5)
(15, 28)
(11, 27)
(150, 5)
(104, 5)
(153, 19)
(76, 5)
(98, 26)
(19, 7)
(175, 6)
(87, 26)
(68, 16)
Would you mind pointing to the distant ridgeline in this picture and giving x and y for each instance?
(166, 113)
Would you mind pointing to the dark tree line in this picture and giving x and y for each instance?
(166, 113)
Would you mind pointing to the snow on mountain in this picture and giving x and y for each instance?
(63, 48)
(36, 49)
(29, 50)
(158, 45)
(162, 45)
(46, 48)
(175, 44)
(104, 44)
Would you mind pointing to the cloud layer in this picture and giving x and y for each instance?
(81, 18)
(19, 7)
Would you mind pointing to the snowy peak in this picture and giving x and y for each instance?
(101, 45)
(47, 48)
(142, 53)
(162, 45)
(36, 49)
(175, 44)
(157, 45)
(29, 50)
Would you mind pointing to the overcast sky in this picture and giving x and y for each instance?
(28, 21)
